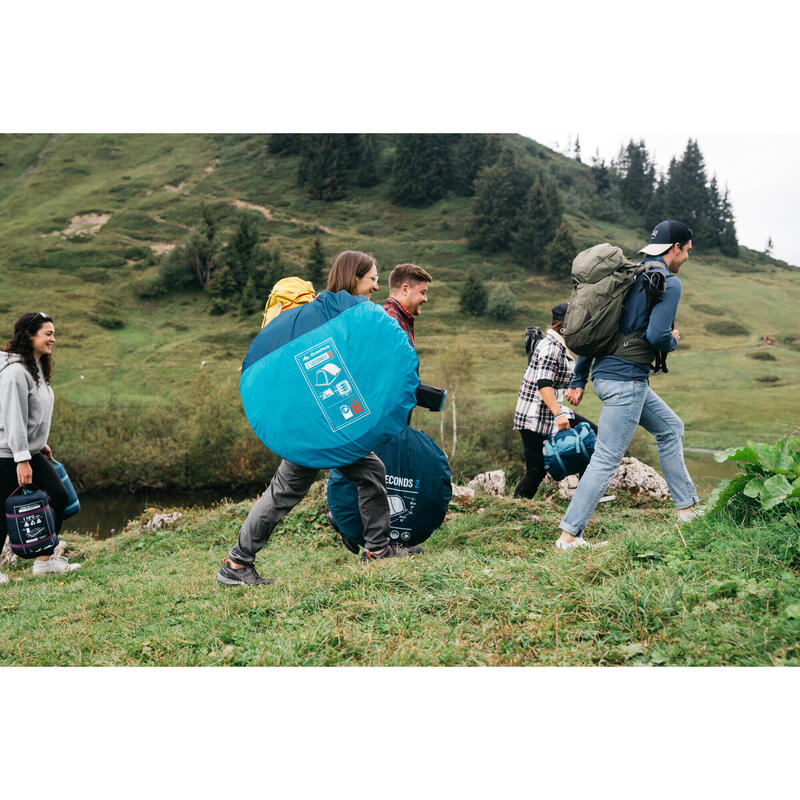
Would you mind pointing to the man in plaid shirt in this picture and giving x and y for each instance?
(408, 290)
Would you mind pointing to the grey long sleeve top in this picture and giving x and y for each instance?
(25, 409)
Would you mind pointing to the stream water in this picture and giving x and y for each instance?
(104, 514)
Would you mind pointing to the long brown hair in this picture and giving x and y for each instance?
(20, 343)
(347, 268)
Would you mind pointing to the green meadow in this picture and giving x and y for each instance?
(490, 590)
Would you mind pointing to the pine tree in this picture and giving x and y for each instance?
(285, 144)
(538, 223)
(325, 160)
(203, 251)
(473, 298)
(728, 243)
(316, 265)
(471, 153)
(637, 176)
(422, 171)
(500, 192)
(688, 197)
(249, 298)
(244, 251)
(768, 248)
(560, 252)
(367, 174)
(577, 148)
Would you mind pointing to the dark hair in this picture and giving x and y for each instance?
(407, 273)
(20, 343)
(347, 268)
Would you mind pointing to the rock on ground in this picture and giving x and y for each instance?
(491, 482)
(158, 521)
(461, 491)
(633, 476)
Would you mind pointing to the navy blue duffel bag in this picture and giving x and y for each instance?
(30, 522)
(568, 452)
(417, 485)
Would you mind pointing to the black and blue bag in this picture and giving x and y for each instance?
(73, 504)
(568, 452)
(417, 485)
(30, 522)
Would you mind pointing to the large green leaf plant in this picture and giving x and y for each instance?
(769, 479)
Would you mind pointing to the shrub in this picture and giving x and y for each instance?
(726, 327)
(473, 296)
(501, 304)
(761, 355)
(106, 315)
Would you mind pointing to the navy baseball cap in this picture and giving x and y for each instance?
(666, 234)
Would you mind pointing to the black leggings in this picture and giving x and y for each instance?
(532, 444)
(44, 477)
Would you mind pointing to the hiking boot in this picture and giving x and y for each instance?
(351, 546)
(245, 575)
(579, 542)
(54, 565)
(392, 550)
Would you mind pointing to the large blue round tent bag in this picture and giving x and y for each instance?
(30, 523)
(417, 484)
(569, 452)
(324, 384)
(73, 504)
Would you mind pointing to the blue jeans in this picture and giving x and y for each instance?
(627, 404)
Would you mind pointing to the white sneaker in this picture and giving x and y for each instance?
(53, 565)
(607, 498)
(686, 514)
(578, 542)
(3, 577)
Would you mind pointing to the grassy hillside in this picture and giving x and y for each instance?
(140, 391)
(490, 590)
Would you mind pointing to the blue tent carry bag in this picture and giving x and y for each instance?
(569, 452)
(325, 383)
(30, 522)
(73, 504)
(417, 485)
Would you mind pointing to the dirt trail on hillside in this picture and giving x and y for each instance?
(267, 212)
(39, 158)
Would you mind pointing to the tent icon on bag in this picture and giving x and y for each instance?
(327, 375)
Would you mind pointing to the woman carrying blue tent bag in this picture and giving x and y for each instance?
(26, 409)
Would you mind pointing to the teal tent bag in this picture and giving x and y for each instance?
(569, 452)
(324, 384)
(73, 504)
(417, 485)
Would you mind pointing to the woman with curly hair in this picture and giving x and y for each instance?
(26, 408)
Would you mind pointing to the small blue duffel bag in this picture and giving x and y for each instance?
(73, 504)
(30, 522)
(569, 452)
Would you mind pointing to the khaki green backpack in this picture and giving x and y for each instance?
(601, 278)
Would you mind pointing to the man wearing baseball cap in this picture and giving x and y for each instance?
(622, 383)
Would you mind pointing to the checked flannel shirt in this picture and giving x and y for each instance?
(550, 361)
(394, 308)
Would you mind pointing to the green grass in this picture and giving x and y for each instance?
(490, 590)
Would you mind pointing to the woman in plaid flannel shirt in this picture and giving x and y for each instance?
(539, 413)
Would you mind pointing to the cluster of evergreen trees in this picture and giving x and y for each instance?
(421, 169)
(236, 276)
(519, 209)
(630, 183)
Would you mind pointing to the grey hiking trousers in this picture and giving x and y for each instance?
(290, 484)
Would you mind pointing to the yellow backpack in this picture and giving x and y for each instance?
(287, 293)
